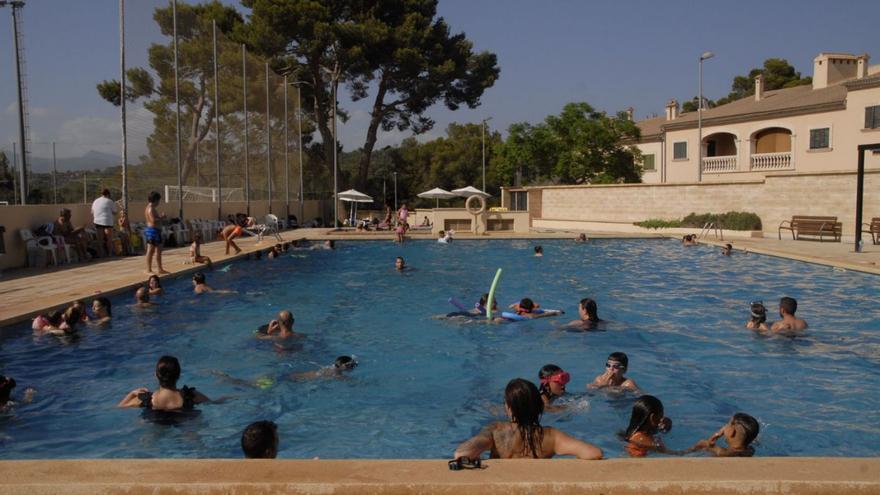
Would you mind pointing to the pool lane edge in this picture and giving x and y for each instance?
(782, 475)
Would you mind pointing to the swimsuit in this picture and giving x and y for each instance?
(636, 450)
(153, 235)
(188, 394)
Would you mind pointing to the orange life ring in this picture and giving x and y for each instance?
(470, 209)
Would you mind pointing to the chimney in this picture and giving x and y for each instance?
(672, 109)
(629, 113)
(862, 67)
(759, 87)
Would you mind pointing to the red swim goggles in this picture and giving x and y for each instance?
(562, 378)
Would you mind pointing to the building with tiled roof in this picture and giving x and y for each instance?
(804, 129)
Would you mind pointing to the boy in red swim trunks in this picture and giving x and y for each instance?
(229, 233)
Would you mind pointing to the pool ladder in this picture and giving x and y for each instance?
(710, 227)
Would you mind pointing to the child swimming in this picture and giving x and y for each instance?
(553, 380)
(738, 433)
(758, 317)
(588, 311)
(615, 367)
(526, 308)
(646, 422)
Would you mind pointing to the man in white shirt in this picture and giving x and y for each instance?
(103, 211)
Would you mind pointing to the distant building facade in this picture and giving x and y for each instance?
(804, 129)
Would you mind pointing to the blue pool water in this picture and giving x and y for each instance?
(424, 384)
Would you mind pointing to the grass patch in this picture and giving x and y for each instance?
(732, 220)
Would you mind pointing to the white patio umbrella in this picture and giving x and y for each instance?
(469, 191)
(437, 194)
(354, 197)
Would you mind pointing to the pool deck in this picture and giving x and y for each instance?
(27, 292)
(790, 476)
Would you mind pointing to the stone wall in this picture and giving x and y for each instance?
(774, 199)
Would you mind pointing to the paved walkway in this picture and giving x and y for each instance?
(27, 292)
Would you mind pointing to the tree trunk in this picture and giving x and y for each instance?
(375, 119)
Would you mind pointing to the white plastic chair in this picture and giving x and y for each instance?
(272, 226)
(66, 249)
(44, 243)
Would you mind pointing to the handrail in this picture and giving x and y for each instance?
(711, 226)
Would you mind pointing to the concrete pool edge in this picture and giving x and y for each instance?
(788, 475)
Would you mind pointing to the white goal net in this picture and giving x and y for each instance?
(194, 194)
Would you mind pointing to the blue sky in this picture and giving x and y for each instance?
(610, 54)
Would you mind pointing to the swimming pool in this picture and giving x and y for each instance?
(424, 384)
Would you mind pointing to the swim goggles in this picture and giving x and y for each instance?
(757, 309)
(561, 378)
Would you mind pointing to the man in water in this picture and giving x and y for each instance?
(400, 264)
(281, 328)
(142, 298)
(727, 249)
(153, 233)
(787, 308)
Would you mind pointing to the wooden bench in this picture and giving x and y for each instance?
(873, 228)
(812, 226)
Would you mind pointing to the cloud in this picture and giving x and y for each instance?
(12, 109)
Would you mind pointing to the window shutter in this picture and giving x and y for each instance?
(869, 117)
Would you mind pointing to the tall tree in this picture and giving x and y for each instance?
(195, 75)
(398, 48)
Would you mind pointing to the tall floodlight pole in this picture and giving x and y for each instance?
(395, 190)
(217, 122)
(247, 173)
(484, 151)
(22, 131)
(268, 143)
(177, 114)
(286, 160)
(335, 164)
(704, 56)
(299, 147)
(121, 108)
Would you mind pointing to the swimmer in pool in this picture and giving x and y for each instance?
(280, 328)
(340, 367)
(615, 368)
(142, 298)
(155, 285)
(200, 286)
(168, 397)
(581, 238)
(527, 308)
(553, 380)
(646, 422)
(789, 322)
(539, 251)
(738, 433)
(7, 384)
(523, 436)
(229, 234)
(58, 322)
(757, 317)
(101, 309)
(480, 307)
(727, 249)
(400, 264)
(588, 312)
(260, 440)
(689, 240)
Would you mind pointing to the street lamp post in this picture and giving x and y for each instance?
(484, 151)
(704, 56)
(299, 144)
(395, 190)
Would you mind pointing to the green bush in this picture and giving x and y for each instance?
(732, 220)
(659, 223)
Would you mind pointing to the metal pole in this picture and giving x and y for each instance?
(121, 107)
(14, 171)
(335, 167)
(299, 147)
(54, 176)
(217, 123)
(85, 189)
(484, 155)
(198, 167)
(860, 189)
(395, 191)
(21, 131)
(268, 142)
(700, 127)
(177, 114)
(247, 174)
(286, 157)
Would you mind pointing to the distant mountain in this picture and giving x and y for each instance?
(91, 160)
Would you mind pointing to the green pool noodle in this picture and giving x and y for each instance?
(492, 294)
(264, 382)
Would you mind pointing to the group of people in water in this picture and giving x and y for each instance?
(521, 435)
